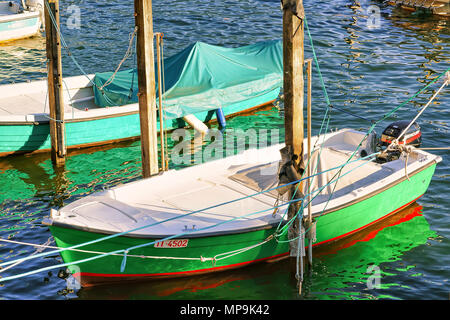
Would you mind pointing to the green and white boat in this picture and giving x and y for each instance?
(172, 225)
(18, 23)
(229, 213)
(103, 108)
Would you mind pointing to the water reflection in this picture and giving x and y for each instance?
(429, 35)
(31, 170)
(38, 174)
(23, 60)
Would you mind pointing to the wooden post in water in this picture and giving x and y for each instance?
(55, 94)
(309, 94)
(293, 87)
(146, 81)
(160, 106)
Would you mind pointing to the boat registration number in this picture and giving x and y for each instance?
(174, 243)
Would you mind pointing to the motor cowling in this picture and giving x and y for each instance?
(412, 137)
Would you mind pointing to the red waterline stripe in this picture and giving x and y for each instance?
(175, 273)
(367, 225)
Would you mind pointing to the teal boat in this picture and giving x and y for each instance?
(226, 213)
(436, 7)
(102, 108)
(18, 23)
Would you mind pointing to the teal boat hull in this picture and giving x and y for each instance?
(19, 138)
(20, 27)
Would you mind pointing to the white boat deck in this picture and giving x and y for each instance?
(26, 102)
(34, 103)
(122, 211)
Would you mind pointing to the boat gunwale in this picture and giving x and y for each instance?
(66, 120)
(110, 115)
(377, 191)
(19, 16)
(190, 235)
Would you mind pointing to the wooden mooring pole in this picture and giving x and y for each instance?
(293, 87)
(55, 92)
(146, 81)
(309, 132)
(162, 133)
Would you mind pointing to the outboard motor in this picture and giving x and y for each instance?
(412, 137)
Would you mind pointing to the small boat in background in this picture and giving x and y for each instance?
(18, 23)
(103, 108)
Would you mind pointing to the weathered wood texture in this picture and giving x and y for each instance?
(146, 81)
(293, 59)
(293, 86)
(160, 106)
(55, 95)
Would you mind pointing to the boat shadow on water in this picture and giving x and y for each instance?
(350, 268)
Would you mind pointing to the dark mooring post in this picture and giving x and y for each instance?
(55, 96)
(146, 81)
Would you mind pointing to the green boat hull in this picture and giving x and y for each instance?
(357, 216)
(201, 255)
(174, 262)
(17, 138)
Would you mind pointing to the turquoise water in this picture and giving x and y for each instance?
(367, 71)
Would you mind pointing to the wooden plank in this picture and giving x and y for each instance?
(160, 107)
(309, 132)
(146, 81)
(55, 95)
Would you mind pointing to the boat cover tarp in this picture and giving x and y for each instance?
(202, 77)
